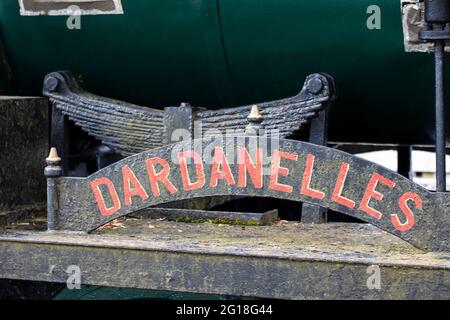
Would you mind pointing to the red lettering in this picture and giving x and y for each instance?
(95, 186)
(246, 164)
(410, 219)
(278, 170)
(306, 182)
(130, 191)
(220, 168)
(372, 193)
(161, 176)
(337, 191)
(187, 183)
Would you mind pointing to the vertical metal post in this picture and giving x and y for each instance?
(318, 134)
(437, 31)
(439, 50)
(52, 171)
(59, 136)
(404, 161)
(178, 118)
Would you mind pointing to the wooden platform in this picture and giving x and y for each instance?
(286, 260)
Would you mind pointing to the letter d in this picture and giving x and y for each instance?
(98, 195)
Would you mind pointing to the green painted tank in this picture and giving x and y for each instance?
(231, 52)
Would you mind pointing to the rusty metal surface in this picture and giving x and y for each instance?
(289, 260)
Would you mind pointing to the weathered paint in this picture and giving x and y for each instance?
(288, 261)
(128, 129)
(261, 167)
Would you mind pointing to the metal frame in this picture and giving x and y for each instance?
(437, 30)
(255, 262)
(307, 111)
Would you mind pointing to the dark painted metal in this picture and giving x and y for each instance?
(129, 129)
(437, 29)
(437, 17)
(318, 134)
(312, 213)
(78, 210)
(437, 11)
(105, 156)
(115, 123)
(404, 154)
(441, 184)
(59, 136)
(178, 118)
(79, 204)
(328, 261)
(52, 171)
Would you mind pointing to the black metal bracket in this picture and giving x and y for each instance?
(125, 129)
(129, 129)
(437, 30)
(437, 18)
(318, 134)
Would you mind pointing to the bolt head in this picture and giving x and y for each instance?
(315, 85)
(51, 84)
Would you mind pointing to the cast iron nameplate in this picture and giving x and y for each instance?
(260, 167)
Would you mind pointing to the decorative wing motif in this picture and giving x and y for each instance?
(282, 117)
(124, 127)
(129, 129)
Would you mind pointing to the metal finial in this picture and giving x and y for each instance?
(52, 171)
(255, 116)
(53, 159)
(254, 121)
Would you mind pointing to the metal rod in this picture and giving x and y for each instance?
(439, 49)
(51, 204)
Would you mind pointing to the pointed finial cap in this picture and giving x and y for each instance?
(53, 158)
(255, 120)
(255, 116)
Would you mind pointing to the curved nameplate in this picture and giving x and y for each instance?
(259, 167)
